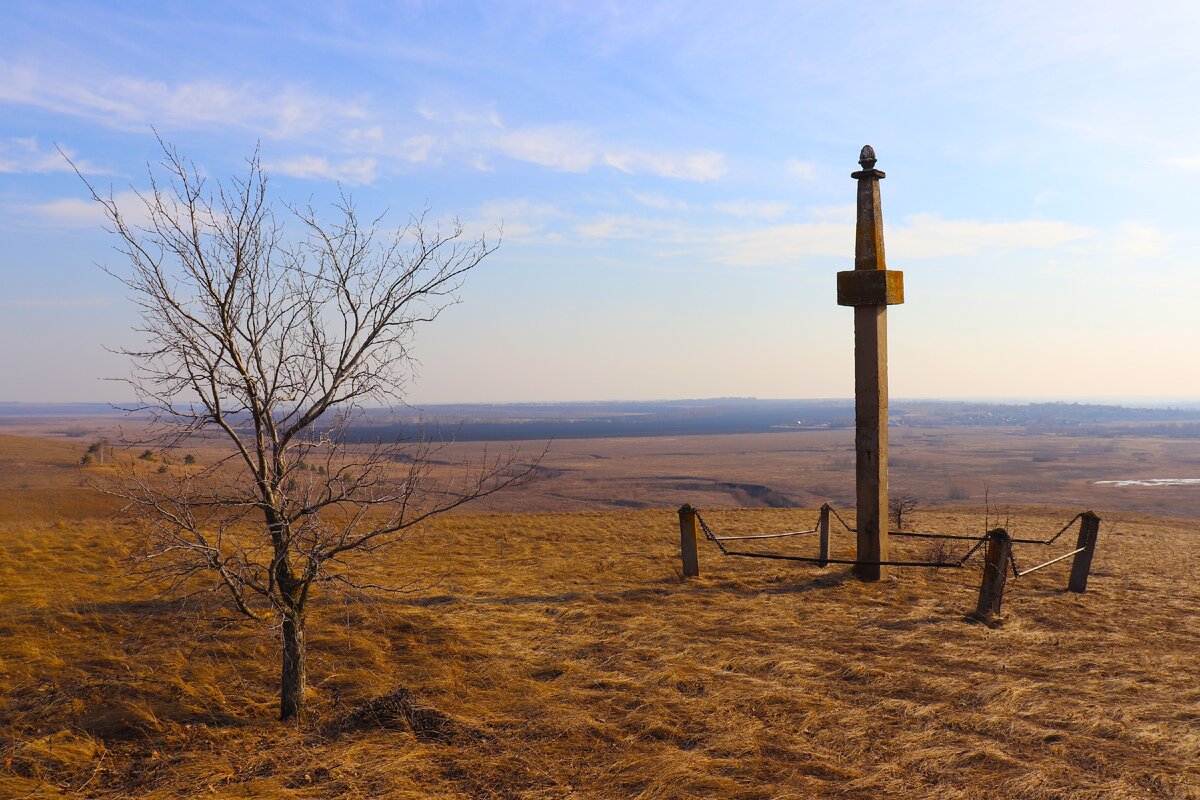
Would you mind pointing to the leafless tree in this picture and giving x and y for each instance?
(277, 341)
(901, 508)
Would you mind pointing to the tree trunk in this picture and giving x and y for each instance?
(294, 681)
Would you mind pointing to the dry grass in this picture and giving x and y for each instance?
(560, 655)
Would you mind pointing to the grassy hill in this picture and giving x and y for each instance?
(560, 655)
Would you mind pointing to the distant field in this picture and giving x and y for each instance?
(944, 453)
(560, 655)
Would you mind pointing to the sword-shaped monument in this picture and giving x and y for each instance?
(870, 287)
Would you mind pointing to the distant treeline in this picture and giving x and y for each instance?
(543, 421)
(742, 415)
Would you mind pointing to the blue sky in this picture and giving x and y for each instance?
(673, 181)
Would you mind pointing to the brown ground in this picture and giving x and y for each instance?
(560, 655)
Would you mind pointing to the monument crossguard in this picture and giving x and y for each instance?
(870, 288)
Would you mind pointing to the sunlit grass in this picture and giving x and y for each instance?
(570, 659)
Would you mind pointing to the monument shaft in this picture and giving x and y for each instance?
(870, 288)
(871, 438)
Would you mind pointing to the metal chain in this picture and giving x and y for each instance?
(1065, 528)
(1013, 561)
(708, 534)
(839, 519)
(972, 551)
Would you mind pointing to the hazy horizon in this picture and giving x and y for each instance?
(1130, 401)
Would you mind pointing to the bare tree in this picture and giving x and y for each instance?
(901, 507)
(277, 342)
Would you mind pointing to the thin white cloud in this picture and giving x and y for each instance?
(78, 212)
(567, 148)
(570, 147)
(352, 171)
(929, 236)
(364, 138)
(801, 169)
(1185, 162)
(519, 218)
(753, 209)
(846, 212)
(133, 103)
(627, 226)
(918, 236)
(784, 244)
(460, 116)
(659, 201)
(25, 155)
(698, 165)
(1139, 240)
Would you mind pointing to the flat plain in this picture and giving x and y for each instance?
(551, 648)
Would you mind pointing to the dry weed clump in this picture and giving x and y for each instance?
(560, 655)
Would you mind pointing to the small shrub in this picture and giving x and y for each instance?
(146, 455)
(189, 459)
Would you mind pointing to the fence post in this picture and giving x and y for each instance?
(687, 541)
(995, 573)
(823, 529)
(1089, 527)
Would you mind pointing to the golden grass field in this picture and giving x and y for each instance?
(557, 655)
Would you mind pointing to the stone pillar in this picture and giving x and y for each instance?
(870, 288)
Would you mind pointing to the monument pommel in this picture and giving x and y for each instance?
(870, 283)
(866, 159)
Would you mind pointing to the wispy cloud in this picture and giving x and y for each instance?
(132, 103)
(567, 147)
(520, 218)
(25, 155)
(1184, 162)
(753, 209)
(627, 226)
(78, 212)
(570, 147)
(361, 142)
(659, 201)
(784, 244)
(1139, 240)
(928, 236)
(831, 234)
(353, 171)
(459, 115)
(801, 169)
(698, 165)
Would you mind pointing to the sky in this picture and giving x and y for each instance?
(672, 181)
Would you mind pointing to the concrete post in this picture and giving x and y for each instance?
(1081, 566)
(687, 541)
(870, 288)
(823, 532)
(995, 574)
